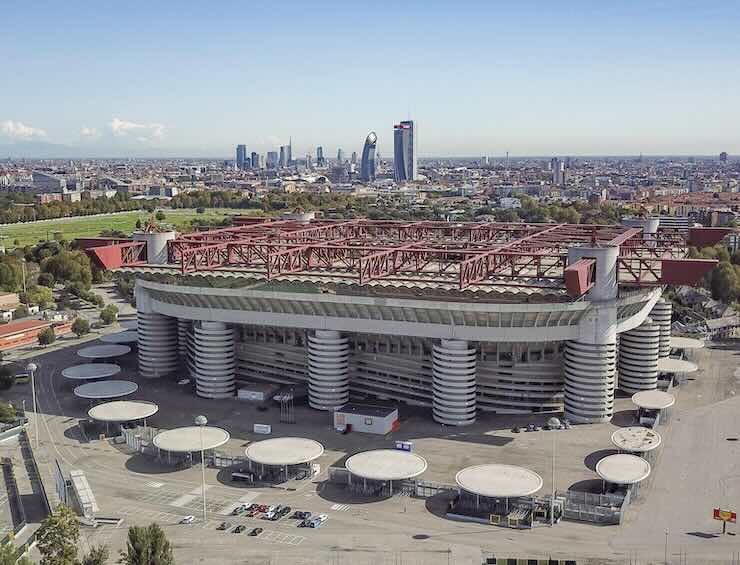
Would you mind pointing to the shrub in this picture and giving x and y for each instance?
(47, 336)
(80, 327)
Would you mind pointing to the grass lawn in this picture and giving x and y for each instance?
(91, 226)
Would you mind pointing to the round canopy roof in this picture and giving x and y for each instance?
(284, 451)
(636, 438)
(123, 411)
(686, 343)
(129, 324)
(106, 351)
(670, 365)
(91, 371)
(386, 465)
(106, 389)
(623, 469)
(129, 336)
(499, 481)
(653, 399)
(183, 440)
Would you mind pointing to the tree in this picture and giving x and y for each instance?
(46, 279)
(7, 377)
(47, 336)
(147, 546)
(160, 215)
(58, 536)
(138, 224)
(109, 314)
(20, 312)
(724, 283)
(38, 295)
(7, 412)
(98, 555)
(69, 267)
(80, 327)
(11, 555)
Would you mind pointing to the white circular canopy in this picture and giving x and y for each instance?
(106, 389)
(678, 342)
(637, 439)
(123, 411)
(386, 465)
(129, 336)
(106, 351)
(187, 439)
(653, 399)
(499, 481)
(284, 451)
(670, 365)
(91, 371)
(623, 469)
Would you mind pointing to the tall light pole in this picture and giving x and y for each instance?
(666, 547)
(32, 368)
(23, 264)
(201, 421)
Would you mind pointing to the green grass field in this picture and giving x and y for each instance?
(91, 226)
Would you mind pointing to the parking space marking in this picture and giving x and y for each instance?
(154, 484)
(340, 507)
(183, 500)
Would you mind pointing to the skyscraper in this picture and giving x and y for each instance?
(320, 156)
(282, 162)
(723, 157)
(340, 156)
(367, 165)
(557, 168)
(255, 158)
(353, 159)
(241, 156)
(289, 156)
(272, 159)
(404, 151)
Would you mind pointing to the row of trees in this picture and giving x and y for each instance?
(58, 540)
(14, 207)
(723, 280)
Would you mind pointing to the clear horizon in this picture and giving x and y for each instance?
(478, 78)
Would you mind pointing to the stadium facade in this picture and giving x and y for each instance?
(460, 318)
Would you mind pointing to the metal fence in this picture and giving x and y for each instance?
(17, 512)
(593, 507)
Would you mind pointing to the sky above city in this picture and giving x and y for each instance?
(479, 78)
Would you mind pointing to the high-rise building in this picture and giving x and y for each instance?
(367, 165)
(289, 156)
(320, 156)
(309, 162)
(283, 156)
(241, 156)
(484, 161)
(723, 157)
(557, 167)
(340, 156)
(353, 159)
(272, 159)
(255, 158)
(405, 140)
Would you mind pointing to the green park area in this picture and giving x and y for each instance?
(90, 226)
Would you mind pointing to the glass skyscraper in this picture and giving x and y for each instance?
(404, 151)
(241, 156)
(367, 165)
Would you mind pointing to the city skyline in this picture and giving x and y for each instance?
(505, 78)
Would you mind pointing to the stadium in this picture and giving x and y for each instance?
(460, 318)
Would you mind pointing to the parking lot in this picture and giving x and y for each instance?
(141, 490)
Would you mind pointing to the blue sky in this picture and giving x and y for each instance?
(532, 78)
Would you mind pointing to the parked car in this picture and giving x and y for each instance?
(516, 429)
(256, 532)
(224, 526)
(301, 475)
(268, 515)
(182, 382)
(301, 515)
(239, 529)
(320, 519)
(188, 520)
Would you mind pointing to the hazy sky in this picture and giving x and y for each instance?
(569, 77)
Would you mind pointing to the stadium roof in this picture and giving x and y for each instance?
(457, 256)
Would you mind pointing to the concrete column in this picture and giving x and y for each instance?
(638, 358)
(589, 381)
(213, 360)
(661, 315)
(157, 344)
(454, 384)
(328, 370)
(183, 327)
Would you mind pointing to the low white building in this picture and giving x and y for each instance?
(367, 418)
(509, 203)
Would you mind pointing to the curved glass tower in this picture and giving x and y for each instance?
(367, 165)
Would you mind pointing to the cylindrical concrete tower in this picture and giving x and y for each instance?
(328, 370)
(213, 360)
(661, 315)
(454, 385)
(589, 381)
(156, 245)
(183, 327)
(157, 344)
(638, 358)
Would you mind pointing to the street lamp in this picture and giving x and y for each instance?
(201, 421)
(32, 368)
